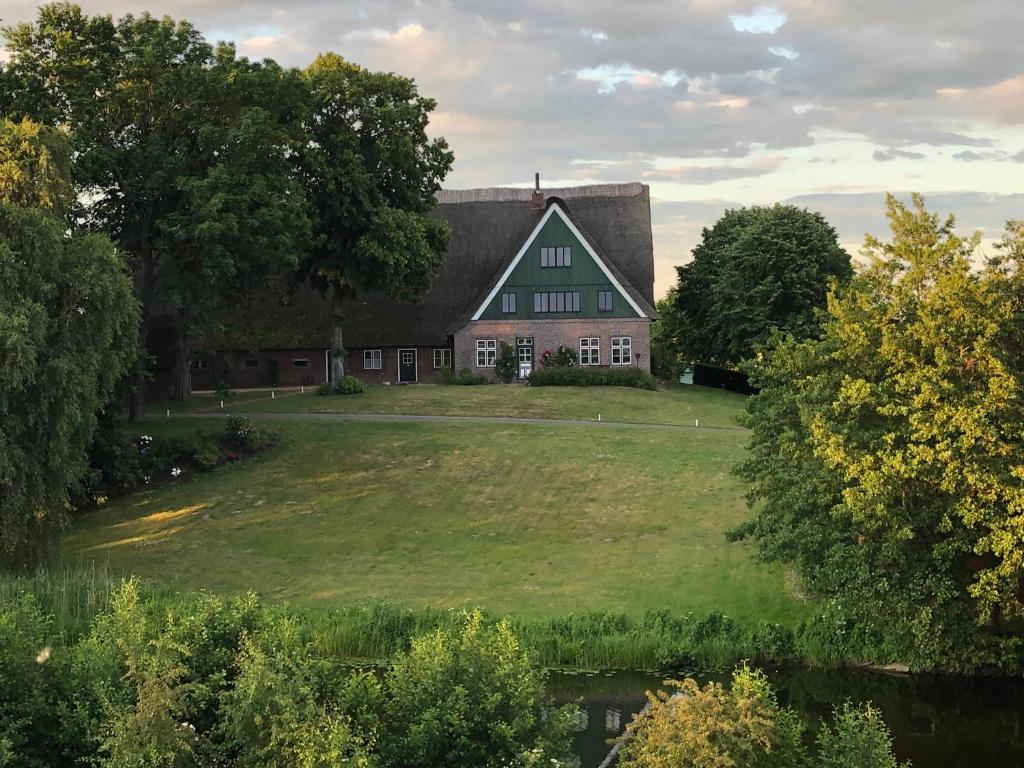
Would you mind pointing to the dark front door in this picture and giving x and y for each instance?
(407, 365)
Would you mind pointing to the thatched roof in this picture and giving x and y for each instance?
(488, 227)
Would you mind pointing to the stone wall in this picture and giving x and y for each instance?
(549, 334)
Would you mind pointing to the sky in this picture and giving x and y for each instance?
(826, 104)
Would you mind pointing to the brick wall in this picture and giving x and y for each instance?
(425, 371)
(549, 334)
(288, 375)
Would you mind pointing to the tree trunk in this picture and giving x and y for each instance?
(337, 353)
(182, 364)
(147, 283)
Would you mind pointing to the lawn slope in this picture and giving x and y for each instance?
(528, 519)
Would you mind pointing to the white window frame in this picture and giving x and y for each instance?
(300, 362)
(442, 357)
(622, 350)
(486, 353)
(373, 360)
(590, 350)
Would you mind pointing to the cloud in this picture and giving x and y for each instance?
(887, 155)
(765, 20)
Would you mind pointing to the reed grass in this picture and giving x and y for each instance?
(377, 631)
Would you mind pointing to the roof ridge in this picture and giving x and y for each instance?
(524, 194)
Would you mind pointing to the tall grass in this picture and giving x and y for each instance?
(377, 631)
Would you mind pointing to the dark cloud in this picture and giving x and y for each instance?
(885, 155)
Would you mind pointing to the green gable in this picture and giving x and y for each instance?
(584, 276)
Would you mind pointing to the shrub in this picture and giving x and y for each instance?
(113, 464)
(585, 376)
(564, 357)
(507, 364)
(349, 385)
(464, 377)
(241, 433)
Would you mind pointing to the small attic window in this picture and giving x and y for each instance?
(556, 256)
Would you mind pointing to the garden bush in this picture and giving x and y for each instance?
(507, 365)
(587, 376)
(563, 357)
(346, 385)
(241, 433)
(464, 377)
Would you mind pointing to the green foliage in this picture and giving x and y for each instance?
(67, 332)
(216, 206)
(714, 726)
(35, 167)
(346, 385)
(756, 271)
(884, 455)
(856, 738)
(667, 339)
(586, 376)
(464, 377)
(203, 680)
(563, 357)
(507, 365)
(241, 432)
(470, 698)
(743, 725)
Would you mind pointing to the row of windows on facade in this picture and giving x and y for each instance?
(373, 359)
(590, 351)
(557, 301)
(558, 256)
(252, 362)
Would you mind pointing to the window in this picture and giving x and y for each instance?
(301, 362)
(200, 364)
(371, 360)
(524, 346)
(557, 256)
(590, 351)
(604, 301)
(508, 303)
(556, 301)
(442, 358)
(622, 350)
(252, 362)
(486, 352)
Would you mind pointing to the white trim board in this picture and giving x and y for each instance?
(553, 209)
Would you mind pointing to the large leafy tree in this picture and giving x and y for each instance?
(887, 459)
(183, 153)
(67, 332)
(370, 173)
(755, 271)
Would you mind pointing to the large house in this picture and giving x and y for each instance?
(536, 270)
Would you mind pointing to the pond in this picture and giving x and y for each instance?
(936, 722)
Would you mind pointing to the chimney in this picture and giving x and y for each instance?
(537, 201)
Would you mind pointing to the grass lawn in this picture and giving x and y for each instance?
(677, 405)
(533, 520)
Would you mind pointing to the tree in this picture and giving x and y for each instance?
(183, 154)
(370, 174)
(715, 727)
(885, 456)
(743, 725)
(667, 339)
(755, 271)
(67, 332)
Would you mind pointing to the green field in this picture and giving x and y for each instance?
(534, 520)
(677, 405)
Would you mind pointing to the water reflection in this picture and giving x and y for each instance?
(936, 722)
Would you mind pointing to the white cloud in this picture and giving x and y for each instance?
(783, 52)
(765, 20)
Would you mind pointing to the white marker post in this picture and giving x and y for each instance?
(696, 422)
(222, 405)
(168, 413)
(273, 394)
(599, 417)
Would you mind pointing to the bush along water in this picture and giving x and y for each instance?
(586, 376)
(204, 680)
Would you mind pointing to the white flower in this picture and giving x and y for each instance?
(175, 471)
